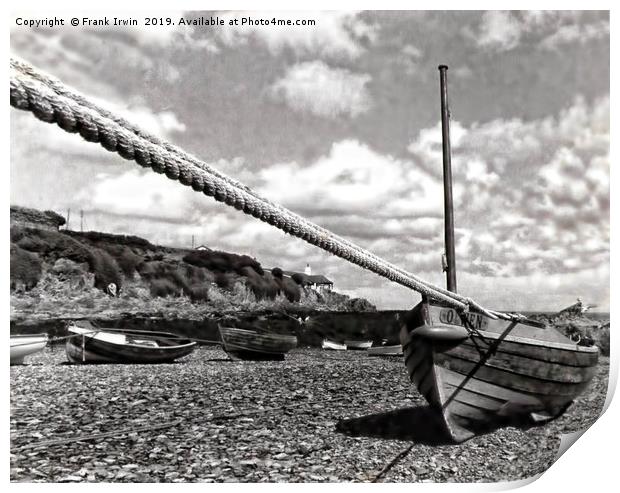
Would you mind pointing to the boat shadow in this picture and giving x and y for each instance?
(421, 424)
(417, 424)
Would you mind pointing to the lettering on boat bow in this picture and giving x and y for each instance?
(474, 320)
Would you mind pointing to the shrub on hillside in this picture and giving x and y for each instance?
(291, 290)
(601, 338)
(106, 270)
(200, 293)
(301, 279)
(155, 272)
(112, 239)
(263, 287)
(197, 275)
(360, 305)
(128, 261)
(25, 269)
(221, 261)
(223, 280)
(51, 245)
(163, 287)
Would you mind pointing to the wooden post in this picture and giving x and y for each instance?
(447, 181)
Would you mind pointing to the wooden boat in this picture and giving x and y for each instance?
(95, 345)
(358, 345)
(385, 350)
(24, 345)
(333, 345)
(242, 344)
(479, 372)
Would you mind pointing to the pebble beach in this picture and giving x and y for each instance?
(318, 416)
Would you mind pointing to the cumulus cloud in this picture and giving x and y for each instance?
(336, 34)
(139, 193)
(316, 88)
(505, 30)
(572, 33)
(353, 179)
(531, 196)
(499, 30)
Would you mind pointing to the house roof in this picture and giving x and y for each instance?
(320, 279)
(315, 279)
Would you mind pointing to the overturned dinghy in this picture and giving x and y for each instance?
(24, 345)
(100, 345)
(242, 344)
(480, 373)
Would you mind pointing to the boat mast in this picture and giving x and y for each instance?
(450, 266)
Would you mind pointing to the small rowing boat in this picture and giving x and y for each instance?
(103, 345)
(358, 345)
(24, 345)
(385, 350)
(333, 345)
(243, 344)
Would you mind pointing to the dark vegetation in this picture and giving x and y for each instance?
(25, 269)
(33, 216)
(75, 262)
(575, 323)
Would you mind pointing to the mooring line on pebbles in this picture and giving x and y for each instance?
(401, 455)
(94, 436)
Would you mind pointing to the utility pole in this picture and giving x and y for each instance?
(82, 220)
(192, 242)
(68, 217)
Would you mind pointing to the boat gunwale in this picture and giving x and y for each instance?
(90, 335)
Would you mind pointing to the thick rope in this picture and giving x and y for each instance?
(51, 101)
(63, 90)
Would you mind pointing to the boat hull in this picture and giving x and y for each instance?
(501, 372)
(25, 345)
(242, 344)
(125, 346)
(333, 345)
(392, 350)
(358, 345)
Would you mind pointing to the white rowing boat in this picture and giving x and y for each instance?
(24, 345)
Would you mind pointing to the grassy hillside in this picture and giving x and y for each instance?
(70, 274)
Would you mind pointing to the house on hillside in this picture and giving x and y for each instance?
(318, 282)
(321, 283)
(203, 248)
(32, 218)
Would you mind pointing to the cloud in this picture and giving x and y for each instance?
(499, 30)
(505, 30)
(335, 34)
(139, 193)
(576, 33)
(316, 88)
(353, 179)
(530, 196)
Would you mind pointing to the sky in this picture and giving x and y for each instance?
(340, 122)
